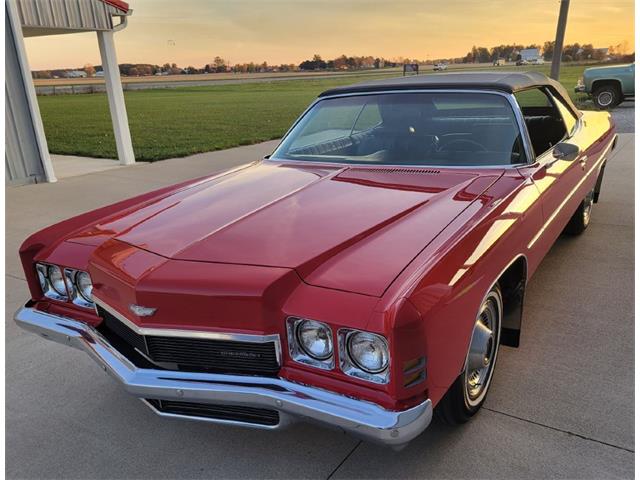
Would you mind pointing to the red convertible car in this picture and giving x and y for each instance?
(361, 276)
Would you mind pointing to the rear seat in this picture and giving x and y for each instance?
(544, 131)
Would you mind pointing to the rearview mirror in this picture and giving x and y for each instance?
(565, 151)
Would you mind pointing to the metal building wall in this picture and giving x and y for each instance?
(23, 162)
(72, 15)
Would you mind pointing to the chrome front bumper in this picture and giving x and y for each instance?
(293, 401)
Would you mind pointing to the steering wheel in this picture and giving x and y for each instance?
(463, 141)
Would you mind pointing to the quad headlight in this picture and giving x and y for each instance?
(310, 342)
(79, 286)
(52, 282)
(315, 339)
(364, 355)
(368, 351)
(70, 284)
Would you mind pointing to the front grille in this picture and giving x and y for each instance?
(256, 416)
(192, 354)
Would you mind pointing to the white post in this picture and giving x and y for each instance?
(30, 90)
(116, 97)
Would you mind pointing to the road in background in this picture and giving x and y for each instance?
(64, 86)
(229, 77)
(56, 86)
(561, 405)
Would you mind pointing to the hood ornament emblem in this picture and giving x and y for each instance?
(141, 311)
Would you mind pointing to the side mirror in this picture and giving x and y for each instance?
(565, 151)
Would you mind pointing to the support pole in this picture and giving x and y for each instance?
(30, 91)
(116, 97)
(557, 48)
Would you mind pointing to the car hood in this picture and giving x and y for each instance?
(606, 69)
(346, 228)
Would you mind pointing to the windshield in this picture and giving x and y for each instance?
(443, 129)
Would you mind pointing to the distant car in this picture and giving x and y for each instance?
(440, 67)
(537, 61)
(608, 86)
(364, 273)
(499, 62)
(521, 62)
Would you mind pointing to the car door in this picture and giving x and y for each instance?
(549, 122)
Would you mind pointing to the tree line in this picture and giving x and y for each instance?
(572, 52)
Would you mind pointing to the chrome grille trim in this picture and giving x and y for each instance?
(198, 334)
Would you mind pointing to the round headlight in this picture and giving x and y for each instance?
(83, 282)
(369, 352)
(56, 280)
(43, 281)
(315, 339)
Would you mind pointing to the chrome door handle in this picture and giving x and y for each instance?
(583, 162)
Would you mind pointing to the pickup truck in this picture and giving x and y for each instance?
(608, 86)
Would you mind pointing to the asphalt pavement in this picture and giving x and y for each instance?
(624, 117)
(561, 406)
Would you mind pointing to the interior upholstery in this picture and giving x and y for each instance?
(544, 131)
(416, 140)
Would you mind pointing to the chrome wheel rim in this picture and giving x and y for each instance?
(483, 349)
(605, 99)
(588, 207)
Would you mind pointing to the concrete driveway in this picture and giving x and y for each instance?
(561, 405)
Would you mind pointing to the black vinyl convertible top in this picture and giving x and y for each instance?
(508, 82)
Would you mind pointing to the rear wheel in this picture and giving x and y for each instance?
(606, 97)
(465, 397)
(581, 217)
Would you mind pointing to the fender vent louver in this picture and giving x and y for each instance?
(411, 171)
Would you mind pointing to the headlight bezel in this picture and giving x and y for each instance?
(350, 366)
(42, 271)
(300, 354)
(72, 288)
(78, 298)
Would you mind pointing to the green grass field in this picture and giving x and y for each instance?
(176, 122)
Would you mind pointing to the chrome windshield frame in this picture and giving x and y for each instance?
(522, 128)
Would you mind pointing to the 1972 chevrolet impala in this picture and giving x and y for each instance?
(362, 275)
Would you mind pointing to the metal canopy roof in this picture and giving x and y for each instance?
(54, 17)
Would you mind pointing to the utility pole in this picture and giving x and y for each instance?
(557, 48)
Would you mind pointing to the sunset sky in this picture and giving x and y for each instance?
(192, 32)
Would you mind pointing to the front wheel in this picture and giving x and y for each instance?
(467, 394)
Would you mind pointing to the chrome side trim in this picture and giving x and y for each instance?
(555, 213)
(172, 332)
(358, 417)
